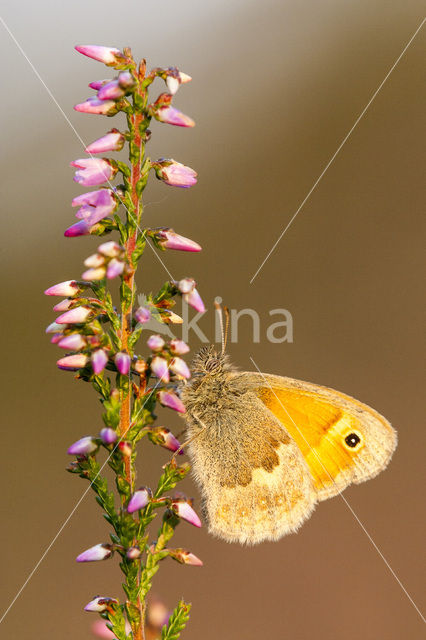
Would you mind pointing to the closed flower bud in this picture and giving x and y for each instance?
(180, 368)
(78, 315)
(54, 327)
(155, 343)
(73, 342)
(186, 557)
(95, 106)
(194, 300)
(168, 239)
(73, 363)
(108, 435)
(173, 84)
(125, 449)
(133, 553)
(170, 400)
(111, 91)
(112, 141)
(186, 285)
(142, 315)
(183, 509)
(126, 80)
(110, 249)
(68, 288)
(178, 347)
(57, 337)
(160, 368)
(97, 84)
(115, 268)
(98, 552)
(170, 115)
(99, 360)
(139, 499)
(165, 438)
(100, 604)
(83, 447)
(175, 173)
(93, 171)
(122, 362)
(107, 55)
(94, 274)
(80, 228)
(94, 261)
(64, 305)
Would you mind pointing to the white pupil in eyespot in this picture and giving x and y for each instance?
(352, 440)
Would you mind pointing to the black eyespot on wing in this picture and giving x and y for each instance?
(352, 440)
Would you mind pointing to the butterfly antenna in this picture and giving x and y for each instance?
(220, 316)
(225, 339)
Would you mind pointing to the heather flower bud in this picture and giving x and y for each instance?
(186, 557)
(111, 91)
(174, 173)
(183, 510)
(155, 343)
(115, 268)
(93, 171)
(99, 361)
(108, 435)
(122, 362)
(73, 342)
(125, 449)
(68, 288)
(178, 347)
(64, 305)
(83, 447)
(107, 55)
(170, 115)
(54, 327)
(170, 400)
(142, 315)
(180, 368)
(112, 141)
(140, 366)
(98, 552)
(110, 249)
(186, 285)
(168, 239)
(160, 368)
(165, 438)
(126, 80)
(57, 337)
(80, 228)
(100, 604)
(139, 499)
(94, 274)
(73, 363)
(97, 107)
(78, 315)
(133, 553)
(94, 261)
(97, 84)
(194, 300)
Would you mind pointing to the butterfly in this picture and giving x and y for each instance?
(265, 448)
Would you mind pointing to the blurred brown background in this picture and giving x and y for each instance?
(276, 87)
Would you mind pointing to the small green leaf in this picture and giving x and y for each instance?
(177, 622)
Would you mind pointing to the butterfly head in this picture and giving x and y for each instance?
(210, 362)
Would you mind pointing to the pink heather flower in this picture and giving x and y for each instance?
(95, 106)
(108, 435)
(110, 249)
(80, 228)
(93, 171)
(113, 141)
(100, 604)
(178, 347)
(73, 342)
(168, 239)
(170, 115)
(180, 368)
(173, 81)
(107, 55)
(165, 438)
(133, 553)
(94, 274)
(142, 315)
(115, 268)
(183, 509)
(139, 500)
(170, 400)
(185, 285)
(175, 173)
(94, 261)
(111, 91)
(97, 84)
(155, 343)
(95, 205)
(194, 300)
(54, 327)
(126, 80)
(64, 305)
(74, 316)
(68, 288)
(73, 363)
(122, 362)
(186, 557)
(160, 369)
(99, 360)
(98, 552)
(57, 337)
(83, 447)
(125, 449)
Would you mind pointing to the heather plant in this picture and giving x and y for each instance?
(102, 338)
